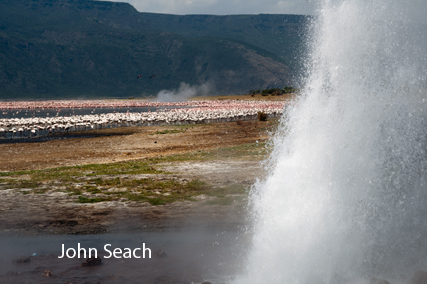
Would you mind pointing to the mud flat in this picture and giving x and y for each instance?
(179, 189)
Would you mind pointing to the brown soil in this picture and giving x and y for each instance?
(58, 213)
(121, 144)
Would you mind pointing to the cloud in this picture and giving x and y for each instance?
(224, 7)
(184, 92)
(416, 8)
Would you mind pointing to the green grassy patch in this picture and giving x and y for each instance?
(20, 183)
(252, 151)
(65, 175)
(91, 189)
(169, 131)
(99, 179)
(74, 191)
(148, 184)
(83, 199)
(144, 190)
(39, 190)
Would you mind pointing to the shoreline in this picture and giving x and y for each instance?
(173, 178)
(181, 189)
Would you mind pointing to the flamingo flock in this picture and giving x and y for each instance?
(77, 104)
(195, 112)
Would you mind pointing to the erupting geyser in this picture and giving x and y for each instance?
(346, 197)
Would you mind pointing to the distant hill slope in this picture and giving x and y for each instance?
(277, 34)
(83, 48)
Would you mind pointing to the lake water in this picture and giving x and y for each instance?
(27, 113)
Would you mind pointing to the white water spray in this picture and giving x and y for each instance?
(346, 197)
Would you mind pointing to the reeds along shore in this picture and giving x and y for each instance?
(195, 112)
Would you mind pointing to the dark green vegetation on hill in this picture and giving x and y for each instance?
(83, 48)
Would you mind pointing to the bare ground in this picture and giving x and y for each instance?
(55, 211)
(122, 144)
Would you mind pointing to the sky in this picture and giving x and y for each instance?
(224, 7)
(417, 9)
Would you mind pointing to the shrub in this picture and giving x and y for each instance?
(288, 90)
(262, 116)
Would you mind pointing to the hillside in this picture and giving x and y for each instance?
(281, 35)
(83, 48)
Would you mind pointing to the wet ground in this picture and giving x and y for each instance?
(192, 240)
(194, 255)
